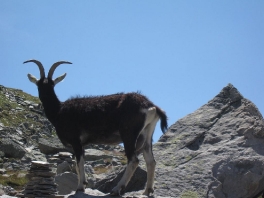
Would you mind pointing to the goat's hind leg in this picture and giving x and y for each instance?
(148, 154)
(151, 165)
(129, 144)
(130, 169)
(79, 153)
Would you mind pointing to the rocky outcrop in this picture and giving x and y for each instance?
(22, 124)
(216, 151)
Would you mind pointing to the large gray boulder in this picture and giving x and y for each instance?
(136, 183)
(216, 151)
(67, 182)
(50, 146)
(11, 149)
(94, 154)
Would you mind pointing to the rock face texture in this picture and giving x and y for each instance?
(136, 183)
(216, 151)
(11, 148)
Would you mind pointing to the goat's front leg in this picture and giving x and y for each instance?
(130, 169)
(79, 152)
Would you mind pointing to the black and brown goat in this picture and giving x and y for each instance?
(129, 118)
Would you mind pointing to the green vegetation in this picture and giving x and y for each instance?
(190, 194)
(104, 169)
(12, 113)
(15, 179)
(101, 169)
(120, 155)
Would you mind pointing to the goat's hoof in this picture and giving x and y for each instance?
(148, 191)
(116, 191)
(80, 190)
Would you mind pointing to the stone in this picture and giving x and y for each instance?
(11, 149)
(2, 171)
(92, 193)
(63, 167)
(7, 196)
(67, 182)
(41, 181)
(50, 146)
(216, 151)
(89, 193)
(136, 183)
(88, 169)
(94, 154)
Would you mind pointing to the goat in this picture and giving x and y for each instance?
(112, 119)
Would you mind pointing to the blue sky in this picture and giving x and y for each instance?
(180, 54)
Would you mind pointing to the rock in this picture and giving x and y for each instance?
(9, 190)
(63, 167)
(2, 192)
(41, 181)
(88, 169)
(67, 182)
(7, 196)
(11, 148)
(50, 146)
(216, 151)
(89, 193)
(116, 162)
(93, 155)
(2, 171)
(136, 183)
(61, 157)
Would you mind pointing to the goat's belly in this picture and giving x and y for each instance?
(101, 138)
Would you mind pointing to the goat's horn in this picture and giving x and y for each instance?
(41, 68)
(54, 66)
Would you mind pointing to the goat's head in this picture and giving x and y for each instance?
(48, 79)
(46, 84)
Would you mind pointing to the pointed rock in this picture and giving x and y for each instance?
(216, 151)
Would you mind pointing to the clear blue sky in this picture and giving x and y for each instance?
(180, 54)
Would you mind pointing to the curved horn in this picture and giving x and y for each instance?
(54, 66)
(40, 66)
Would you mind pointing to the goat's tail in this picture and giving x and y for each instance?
(163, 119)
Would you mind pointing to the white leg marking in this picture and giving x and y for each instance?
(151, 165)
(147, 131)
(151, 120)
(81, 174)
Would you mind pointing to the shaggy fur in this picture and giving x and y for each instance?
(112, 119)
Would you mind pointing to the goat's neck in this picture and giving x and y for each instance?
(51, 105)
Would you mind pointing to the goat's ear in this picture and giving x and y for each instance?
(59, 79)
(32, 79)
